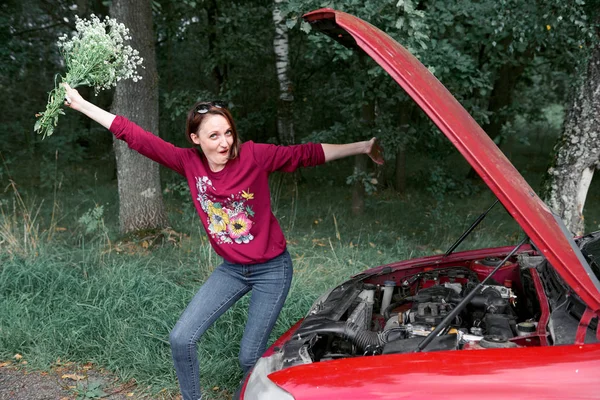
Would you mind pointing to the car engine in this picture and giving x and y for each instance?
(394, 315)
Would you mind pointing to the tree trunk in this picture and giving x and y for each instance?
(501, 97)
(285, 123)
(358, 190)
(400, 175)
(360, 161)
(218, 74)
(140, 195)
(578, 151)
(404, 123)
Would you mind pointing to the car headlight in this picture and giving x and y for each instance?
(259, 386)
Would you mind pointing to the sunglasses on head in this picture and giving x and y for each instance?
(203, 108)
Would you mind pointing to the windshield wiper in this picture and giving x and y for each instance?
(460, 306)
(469, 230)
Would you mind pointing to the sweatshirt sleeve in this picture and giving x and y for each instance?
(287, 158)
(148, 144)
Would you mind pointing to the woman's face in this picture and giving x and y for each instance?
(215, 139)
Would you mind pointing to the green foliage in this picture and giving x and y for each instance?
(442, 185)
(92, 220)
(180, 189)
(367, 180)
(89, 390)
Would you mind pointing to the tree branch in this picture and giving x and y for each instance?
(43, 28)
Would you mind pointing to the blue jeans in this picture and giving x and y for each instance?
(269, 283)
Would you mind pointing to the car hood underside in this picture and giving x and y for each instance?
(531, 213)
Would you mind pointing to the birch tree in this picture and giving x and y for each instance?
(578, 151)
(140, 196)
(285, 123)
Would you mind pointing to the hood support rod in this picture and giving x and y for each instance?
(460, 306)
(468, 231)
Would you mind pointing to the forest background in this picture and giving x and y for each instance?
(91, 273)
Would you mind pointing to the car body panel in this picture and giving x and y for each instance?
(466, 374)
(530, 212)
(458, 257)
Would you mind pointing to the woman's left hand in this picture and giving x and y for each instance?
(375, 151)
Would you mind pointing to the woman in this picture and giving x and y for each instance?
(228, 181)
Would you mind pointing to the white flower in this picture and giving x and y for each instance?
(95, 55)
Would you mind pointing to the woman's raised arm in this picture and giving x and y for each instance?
(74, 100)
(369, 147)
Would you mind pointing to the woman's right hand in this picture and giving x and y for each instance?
(74, 100)
(72, 97)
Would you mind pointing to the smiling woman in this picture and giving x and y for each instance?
(228, 181)
(210, 126)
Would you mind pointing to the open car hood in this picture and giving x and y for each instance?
(545, 230)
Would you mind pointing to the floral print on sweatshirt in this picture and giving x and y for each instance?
(229, 221)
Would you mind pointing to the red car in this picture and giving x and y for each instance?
(510, 322)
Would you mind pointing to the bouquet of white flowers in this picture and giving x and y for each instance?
(95, 56)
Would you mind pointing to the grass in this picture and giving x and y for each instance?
(93, 298)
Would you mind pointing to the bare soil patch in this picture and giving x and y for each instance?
(64, 381)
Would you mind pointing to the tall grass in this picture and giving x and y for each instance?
(19, 226)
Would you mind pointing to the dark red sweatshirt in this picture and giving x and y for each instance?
(234, 204)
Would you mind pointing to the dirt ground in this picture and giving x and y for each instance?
(64, 381)
(70, 381)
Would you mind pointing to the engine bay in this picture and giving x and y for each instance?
(393, 311)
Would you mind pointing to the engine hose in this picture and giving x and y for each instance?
(358, 335)
(363, 338)
(388, 310)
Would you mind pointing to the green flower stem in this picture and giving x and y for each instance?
(49, 118)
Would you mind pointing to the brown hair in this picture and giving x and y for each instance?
(194, 120)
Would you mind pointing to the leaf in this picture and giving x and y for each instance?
(249, 211)
(247, 195)
(400, 23)
(73, 377)
(93, 386)
(305, 27)
(291, 22)
(95, 394)
(38, 125)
